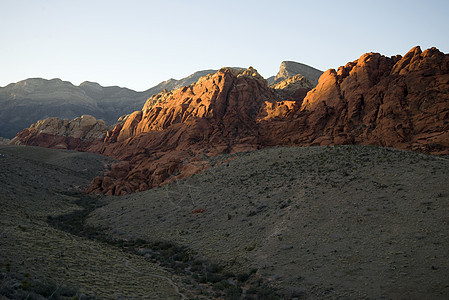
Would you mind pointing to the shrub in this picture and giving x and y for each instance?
(242, 277)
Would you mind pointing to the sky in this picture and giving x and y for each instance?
(137, 43)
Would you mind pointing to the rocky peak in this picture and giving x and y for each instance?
(251, 72)
(394, 101)
(291, 68)
(214, 96)
(353, 78)
(32, 85)
(92, 89)
(90, 84)
(431, 61)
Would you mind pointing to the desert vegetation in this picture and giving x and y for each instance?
(315, 222)
(319, 221)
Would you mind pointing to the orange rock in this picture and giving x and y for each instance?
(400, 102)
(383, 101)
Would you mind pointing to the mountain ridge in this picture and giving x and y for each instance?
(399, 102)
(30, 100)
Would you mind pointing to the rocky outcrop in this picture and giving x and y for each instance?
(169, 137)
(387, 101)
(79, 133)
(292, 83)
(296, 86)
(400, 102)
(291, 68)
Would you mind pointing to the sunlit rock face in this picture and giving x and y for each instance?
(166, 140)
(78, 133)
(400, 102)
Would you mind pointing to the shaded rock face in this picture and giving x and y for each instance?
(400, 102)
(79, 133)
(25, 102)
(295, 86)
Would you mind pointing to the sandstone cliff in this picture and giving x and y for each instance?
(167, 139)
(400, 102)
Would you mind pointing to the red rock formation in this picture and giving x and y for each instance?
(393, 102)
(400, 102)
(80, 133)
(166, 140)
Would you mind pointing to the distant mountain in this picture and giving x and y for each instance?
(291, 68)
(172, 84)
(27, 101)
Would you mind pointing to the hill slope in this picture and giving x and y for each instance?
(315, 222)
(308, 222)
(38, 183)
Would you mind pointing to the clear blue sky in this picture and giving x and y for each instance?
(138, 44)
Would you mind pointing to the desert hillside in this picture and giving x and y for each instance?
(38, 260)
(307, 222)
(300, 222)
(327, 222)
